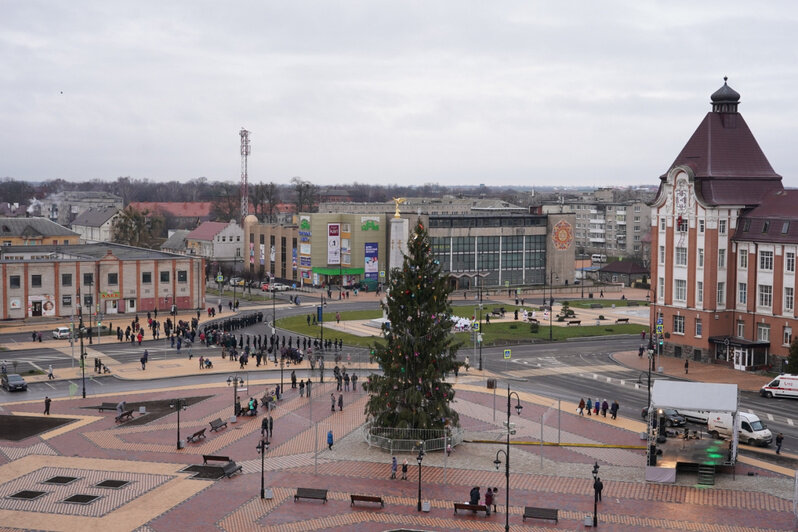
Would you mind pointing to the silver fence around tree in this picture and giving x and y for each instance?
(406, 440)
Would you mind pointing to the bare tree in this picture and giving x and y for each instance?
(272, 199)
(227, 203)
(305, 194)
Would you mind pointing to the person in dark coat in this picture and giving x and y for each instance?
(332, 402)
(340, 402)
(47, 402)
(330, 439)
(474, 495)
(293, 379)
(614, 409)
(598, 486)
(271, 426)
(604, 407)
(404, 470)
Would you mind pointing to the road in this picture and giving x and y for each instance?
(563, 370)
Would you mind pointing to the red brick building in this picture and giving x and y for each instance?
(724, 238)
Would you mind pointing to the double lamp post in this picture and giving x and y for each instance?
(497, 462)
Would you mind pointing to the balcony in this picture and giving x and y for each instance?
(597, 239)
(599, 221)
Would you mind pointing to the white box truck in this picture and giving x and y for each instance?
(751, 429)
(785, 385)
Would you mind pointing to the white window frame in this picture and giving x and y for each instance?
(700, 257)
(662, 254)
(721, 227)
(678, 325)
(721, 296)
(680, 290)
(662, 224)
(765, 295)
(789, 298)
(680, 257)
(742, 293)
(661, 290)
(766, 260)
(699, 292)
(740, 329)
(700, 225)
(699, 328)
(786, 336)
(763, 332)
(722, 258)
(789, 262)
(743, 259)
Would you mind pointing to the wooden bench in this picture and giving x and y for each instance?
(106, 406)
(217, 423)
(596, 305)
(473, 507)
(497, 312)
(230, 468)
(366, 498)
(127, 414)
(311, 493)
(575, 322)
(533, 320)
(633, 304)
(540, 513)
(622, 320)
(210, 458)
(196, 436)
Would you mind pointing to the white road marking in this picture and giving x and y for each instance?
(789, 422)
(770, 417)
(50, 385)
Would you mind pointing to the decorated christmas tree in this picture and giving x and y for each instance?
(419, 348)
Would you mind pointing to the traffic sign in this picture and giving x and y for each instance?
(659, 328)
(507, 353)
(659, 321)
(475, 326)
(219, 278)
(382, 273)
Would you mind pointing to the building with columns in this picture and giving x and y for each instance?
(724, 236)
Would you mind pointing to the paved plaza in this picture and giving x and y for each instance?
(159, 493)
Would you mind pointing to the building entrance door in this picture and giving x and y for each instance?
(36, 308)
(739, 358)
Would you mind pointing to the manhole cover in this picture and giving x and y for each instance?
(27, 495)
(60, 480)
(81, 499)
(112, 484)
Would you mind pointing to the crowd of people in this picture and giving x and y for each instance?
(598, 407)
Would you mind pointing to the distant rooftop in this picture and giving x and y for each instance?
(95, 217)
(86, 252)
(32, 228)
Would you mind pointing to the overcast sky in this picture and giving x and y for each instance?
(501, 93)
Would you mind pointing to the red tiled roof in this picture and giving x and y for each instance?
(729, 166)
(768, 221)
(185, 209)
(206, 231)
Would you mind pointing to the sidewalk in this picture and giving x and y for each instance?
(697, 371)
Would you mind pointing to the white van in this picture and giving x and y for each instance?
(598, 258)
(785, 385)
(752, 430)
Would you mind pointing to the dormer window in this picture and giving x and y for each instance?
(766, 226)
(785, 228)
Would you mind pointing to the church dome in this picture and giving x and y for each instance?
(725, 99)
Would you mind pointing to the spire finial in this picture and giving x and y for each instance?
(725, 78)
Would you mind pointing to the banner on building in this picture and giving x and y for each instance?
(262, 254)
(272, 254)
(252, 252)
(304, 262)
(333, 243)
(371, 263)
(293, 258)
(304, 249)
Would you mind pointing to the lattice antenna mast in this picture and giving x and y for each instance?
(244, 184)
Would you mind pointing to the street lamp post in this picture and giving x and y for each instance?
(82, 353)
(178, 404)
(595, 494)
(506, 452)
(419, 459)
(236, 381)
(480, 323)
(262, 447)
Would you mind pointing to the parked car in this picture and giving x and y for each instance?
(280, 287)
(751, 429)
(61, 332)
(236, 281)
(13, 381)
(671, 417)
(697, 416)
(264, 287)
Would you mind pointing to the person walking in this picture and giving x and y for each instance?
(394, 466)
(589, 406)
(50, 375)
(47, 402)
(598, 486)
(596, 406)
(604, 407)
(581, 407)
(143, 360)
(271, 426)
(308, 387)
(301, 388)
(329, 439)
(779, 441)
(354, 382)
(686, 366)
(332, 402)
(404, 470)
(614, 409)
(340, 402)
(488, 500)
(293, 379)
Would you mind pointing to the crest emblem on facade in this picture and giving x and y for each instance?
(563, 235)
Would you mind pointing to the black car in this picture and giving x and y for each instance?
(671, 418)
(13, 381)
